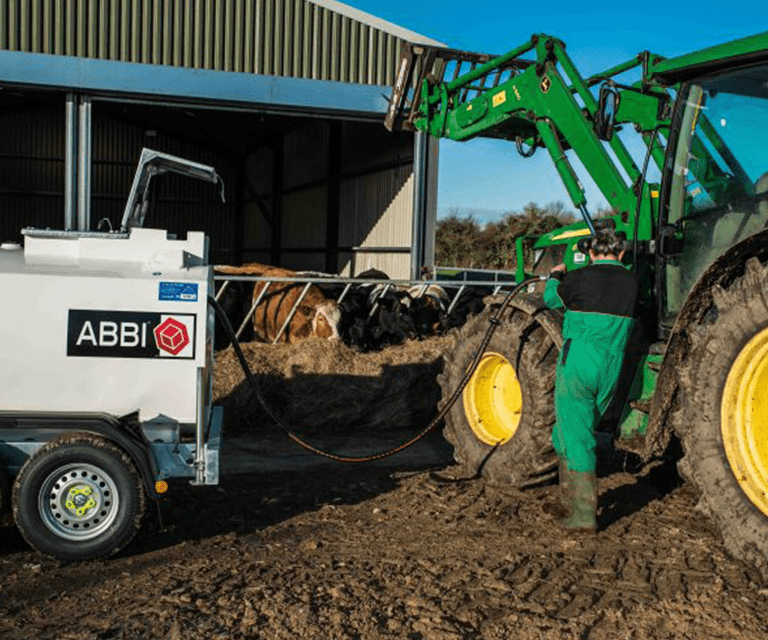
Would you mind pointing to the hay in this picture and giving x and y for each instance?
(320, 385)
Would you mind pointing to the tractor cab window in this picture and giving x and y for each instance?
(719, 189)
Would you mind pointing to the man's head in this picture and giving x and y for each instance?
(607, 244)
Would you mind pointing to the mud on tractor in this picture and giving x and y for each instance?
(697, 371)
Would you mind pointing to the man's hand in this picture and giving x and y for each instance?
(558, 272)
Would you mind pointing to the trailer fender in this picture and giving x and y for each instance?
(124, 432)
(672, 378)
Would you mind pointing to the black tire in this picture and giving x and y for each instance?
(79, 497)
(3, 491)
(528, 456)
(739, 317)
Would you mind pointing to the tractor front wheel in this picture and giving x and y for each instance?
(725, 415)
(501, 427)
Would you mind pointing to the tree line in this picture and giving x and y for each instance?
(460, 241)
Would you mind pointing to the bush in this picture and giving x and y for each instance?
(462, 242)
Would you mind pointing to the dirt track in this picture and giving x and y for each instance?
(329, 552)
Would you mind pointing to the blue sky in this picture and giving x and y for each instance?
(488, 177)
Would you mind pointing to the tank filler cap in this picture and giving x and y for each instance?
(10, 246)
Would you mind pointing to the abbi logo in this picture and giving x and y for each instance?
(171, 336)
(130, 334)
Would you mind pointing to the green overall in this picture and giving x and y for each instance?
(599, 306)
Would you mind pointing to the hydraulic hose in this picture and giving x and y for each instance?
(494, 322)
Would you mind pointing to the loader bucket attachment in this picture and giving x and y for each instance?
(415, 62)
(419, 63)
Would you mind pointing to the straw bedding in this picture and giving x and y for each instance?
(320, 385)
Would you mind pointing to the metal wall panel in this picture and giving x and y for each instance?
(375, 199)
(305, 219)
(180, 203)
(31, 169)
(258, 205)
(306, 154)
(294, 38)
(375, 212)
(256, 231)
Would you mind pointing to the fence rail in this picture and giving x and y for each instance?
(453, 288)
(467, 273)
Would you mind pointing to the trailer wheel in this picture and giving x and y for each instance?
(725, 409)
(77, 498)
(502, 426)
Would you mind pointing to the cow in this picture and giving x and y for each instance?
(315, 316)
(377, 315)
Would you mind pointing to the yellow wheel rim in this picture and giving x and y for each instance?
(744, 420)
(493, 400)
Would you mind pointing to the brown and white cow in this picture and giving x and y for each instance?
(315, 317)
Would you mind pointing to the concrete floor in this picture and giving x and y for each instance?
(272, 450)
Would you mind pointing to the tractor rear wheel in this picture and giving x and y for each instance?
(725, 413)
(79, 497)
(501, 427)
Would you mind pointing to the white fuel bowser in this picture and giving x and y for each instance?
(106, 350)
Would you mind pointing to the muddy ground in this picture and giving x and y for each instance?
(407, 548)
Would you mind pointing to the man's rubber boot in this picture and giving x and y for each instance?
(560, 506)
(583, 494)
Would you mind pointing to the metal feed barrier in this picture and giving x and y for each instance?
(310, 278)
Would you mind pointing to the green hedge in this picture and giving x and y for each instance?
(461, 241)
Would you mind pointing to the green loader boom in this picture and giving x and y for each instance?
(535, 97)
(541, 101)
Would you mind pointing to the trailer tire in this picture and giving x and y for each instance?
(79, 497)
(722, 425)
(501, 428)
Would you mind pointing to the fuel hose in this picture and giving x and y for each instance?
(494, 322)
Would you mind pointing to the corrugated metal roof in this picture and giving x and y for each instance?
(319, 39)
(378, 23)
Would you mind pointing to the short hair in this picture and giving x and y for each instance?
(608, 242)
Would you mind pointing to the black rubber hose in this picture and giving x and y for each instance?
(494, 322)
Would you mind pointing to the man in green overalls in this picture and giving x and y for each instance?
(600, 303)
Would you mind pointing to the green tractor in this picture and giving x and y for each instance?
(697, 371)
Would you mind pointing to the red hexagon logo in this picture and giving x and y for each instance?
(171, 336)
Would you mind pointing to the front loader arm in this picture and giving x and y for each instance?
(537, 101)
(534, 95)
(527, 101)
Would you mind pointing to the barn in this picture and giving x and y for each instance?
(285, 98)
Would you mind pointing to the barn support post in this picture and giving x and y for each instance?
(333, 197)
(77, 163)
(425, 150)
(70, 162)
(242, 181)
(276, 253)
(84, 165)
